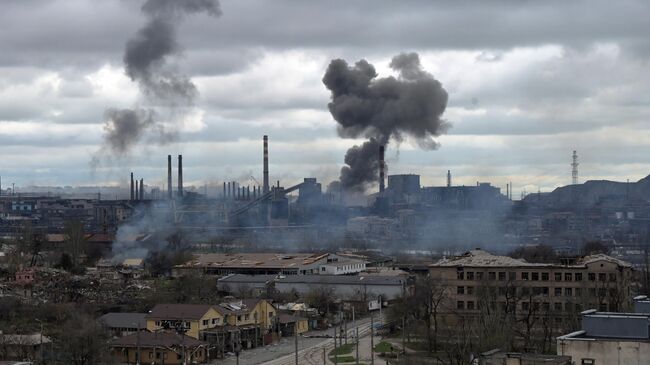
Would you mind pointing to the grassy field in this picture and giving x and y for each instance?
(342, 350)
(383, 347)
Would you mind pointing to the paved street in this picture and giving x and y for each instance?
(310, 350)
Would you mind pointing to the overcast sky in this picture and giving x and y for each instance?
(528, 82)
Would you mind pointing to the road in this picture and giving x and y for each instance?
(313, 355)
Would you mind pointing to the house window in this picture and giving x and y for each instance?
(588, 362)
(470, 290)
(602, 277)
(568, 276)
(460, 304)
(239, 318)
(577, 276)
(460, 290)
(470, 276)
(270, 314)
(205, 322)
(544, 276)
(557, 306)
(545, 291)
(591, 276)
(470, 305)
(246, 317)
(479, 275)
(524, 276)
(578, 292)
(502, 276)
(558, 276)
(568, 292)
(460, 275)
(535, 276)
(215, 320)
(492, 275)
(612, 277)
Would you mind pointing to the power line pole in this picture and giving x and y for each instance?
(357, 343)
(295, 327)
(372, 340)
(574, 168)
(403, 338)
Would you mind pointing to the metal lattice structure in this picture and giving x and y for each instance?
(574, 168)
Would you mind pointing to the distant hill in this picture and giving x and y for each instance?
(592, 192)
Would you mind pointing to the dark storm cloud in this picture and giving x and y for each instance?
(383, 109)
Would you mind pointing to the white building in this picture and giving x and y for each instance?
(609, 338)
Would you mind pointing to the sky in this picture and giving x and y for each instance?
(528, 83)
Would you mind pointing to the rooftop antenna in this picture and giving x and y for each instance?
(574, 168)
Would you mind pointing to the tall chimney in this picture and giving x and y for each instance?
(169, 177)
(132, 188)
(448, 178)
(266, 164)
(224, 190)
(141, 189)
(180, 176)
(381, 169)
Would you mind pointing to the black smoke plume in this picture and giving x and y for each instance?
(382, 109)
(146, 61)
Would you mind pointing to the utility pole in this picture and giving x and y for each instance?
(295, 327)
(357, 346)
(40, 347)
(324, 356)
(139, 354)
(336, 358)
(403, 338)
(372, 340)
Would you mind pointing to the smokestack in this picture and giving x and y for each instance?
(381, 169)
(169, 177)
(180, 176)
(448, 178)
(224, 190)
(132, 188)
(266, 164)
(141, 189)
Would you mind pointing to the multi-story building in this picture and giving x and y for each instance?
(478, 279)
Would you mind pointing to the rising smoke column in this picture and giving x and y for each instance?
(382, 109)
(146, 61)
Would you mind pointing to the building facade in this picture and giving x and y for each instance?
(478, 279)
(608, 338)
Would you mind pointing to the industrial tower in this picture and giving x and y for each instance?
(574, 168)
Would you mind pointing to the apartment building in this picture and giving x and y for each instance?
(478, 278)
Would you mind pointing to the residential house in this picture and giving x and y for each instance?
(160, 347)
(123, 324)
(290, 324)
(23, 347)
(193, 317)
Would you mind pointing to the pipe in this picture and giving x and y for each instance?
(169, 177)
(266, 164)
(381, 169)
(132, 188)
(180, 176)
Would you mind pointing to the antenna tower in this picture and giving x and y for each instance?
(574, 168)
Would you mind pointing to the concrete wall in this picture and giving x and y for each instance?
(605, 352)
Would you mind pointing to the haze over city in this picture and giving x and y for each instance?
(527, 83)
